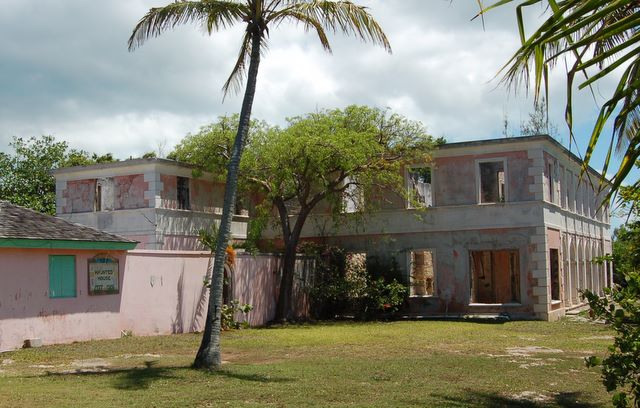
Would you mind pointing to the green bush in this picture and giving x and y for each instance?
(229, 312)
(351, 284)
(620, 309)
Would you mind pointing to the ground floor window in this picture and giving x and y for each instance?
(422, 277)
(62, 276)
(495, 276)
(554, 264)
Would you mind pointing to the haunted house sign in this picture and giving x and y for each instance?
(104, 275)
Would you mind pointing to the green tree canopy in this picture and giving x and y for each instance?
(25, 174)
(327, 156)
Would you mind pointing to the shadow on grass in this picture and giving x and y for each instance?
(136, 378)
(139, 378)
(486, 400)
(251, 377)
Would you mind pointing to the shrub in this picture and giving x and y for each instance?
(349, 283)
(229, 312)
(620, 309)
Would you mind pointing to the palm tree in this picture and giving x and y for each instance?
(600, 39)
(257, 16)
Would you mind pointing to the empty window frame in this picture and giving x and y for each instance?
(352, 197)
(495, 276)
(104, 197)
(419, 187)
(183, 193)
(492, 181)
(422, 280)
(554, 265)
(62, 276)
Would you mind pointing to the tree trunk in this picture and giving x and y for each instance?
(283, 308)
(209, 353)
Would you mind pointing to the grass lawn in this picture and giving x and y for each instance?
(427, 363)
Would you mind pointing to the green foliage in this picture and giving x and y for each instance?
(208, 237)
(626, 249)
(345, 283)
(229, 312)
(210, 148)
(25, 175)
(620, 309)
(335, 154)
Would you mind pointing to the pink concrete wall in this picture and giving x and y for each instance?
(129, 192)
(169, 193)
(165, 291)
(80, 196)
(26, 311)
(206, 195)
(462, 169)
(161, 292)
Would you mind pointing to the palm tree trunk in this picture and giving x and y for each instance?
(209, 353)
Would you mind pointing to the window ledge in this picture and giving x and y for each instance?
(422, 296)
(556, 302)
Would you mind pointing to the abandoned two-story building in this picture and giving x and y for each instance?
(156, 202)
(505, 225)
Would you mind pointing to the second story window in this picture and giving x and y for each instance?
(419, 187)
(103, 197)
(183, 193)
(492, 181)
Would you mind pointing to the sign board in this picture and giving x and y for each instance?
(104, 275)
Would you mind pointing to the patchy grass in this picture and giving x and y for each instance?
(456, 364)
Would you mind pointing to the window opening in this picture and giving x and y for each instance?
(554, 263)
(97, 205)
(103, 200)
(183, 193)
(419, 186)
(492, 182)
(352, 197)
(422, 277)
(495, 276)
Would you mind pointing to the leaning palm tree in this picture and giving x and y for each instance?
(599, 41)
(257, 16)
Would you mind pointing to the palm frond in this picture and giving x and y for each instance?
(212, 14)
(597, 34)
(337, 16)
(234, 82)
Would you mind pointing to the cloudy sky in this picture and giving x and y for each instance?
(65, 70)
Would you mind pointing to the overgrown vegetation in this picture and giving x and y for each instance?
(229, 313)
(620, 309)
(350, 284)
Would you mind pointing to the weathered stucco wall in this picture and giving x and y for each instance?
(80, 196)
(455, 177)
(161, 292)
(129, 192)
(451, 252)
(26, 311)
